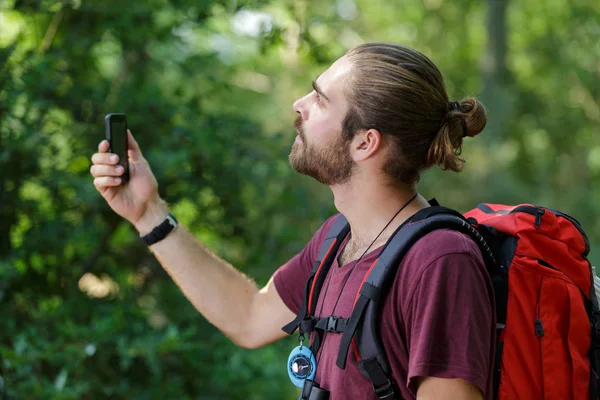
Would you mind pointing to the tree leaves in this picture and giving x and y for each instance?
(209, 101)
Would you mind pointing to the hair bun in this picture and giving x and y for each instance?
(473, 114)
(466, 117)
(456, 113)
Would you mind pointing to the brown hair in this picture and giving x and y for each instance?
(401, 93)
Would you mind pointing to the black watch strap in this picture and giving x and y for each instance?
(160, 231)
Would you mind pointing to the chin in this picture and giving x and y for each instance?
(297, 148)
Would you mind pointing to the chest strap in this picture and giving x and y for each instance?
(326, 324)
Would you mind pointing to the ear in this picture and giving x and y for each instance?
(365, 144)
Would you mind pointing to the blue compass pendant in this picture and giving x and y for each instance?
(301, 365)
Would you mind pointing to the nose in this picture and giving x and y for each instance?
(300, 108)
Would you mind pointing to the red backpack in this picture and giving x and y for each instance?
(548, 344)
(548, 336)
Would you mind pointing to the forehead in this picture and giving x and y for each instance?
(334, 79)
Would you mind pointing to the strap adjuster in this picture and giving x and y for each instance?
(385, 391)
(308, 324)
(332, 324)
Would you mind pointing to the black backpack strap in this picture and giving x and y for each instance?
(595, 363)
(363, 327)
(335, 236)
(594, 354)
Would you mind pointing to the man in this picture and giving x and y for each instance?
(376, 118)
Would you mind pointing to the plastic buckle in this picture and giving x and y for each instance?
(385, 391)
(332, 324)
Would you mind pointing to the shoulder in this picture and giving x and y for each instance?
(439, 244)
(441, 263)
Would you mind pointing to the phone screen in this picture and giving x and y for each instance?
(119, 140)
(116, 133)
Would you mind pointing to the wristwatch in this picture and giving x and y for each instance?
(161, 230)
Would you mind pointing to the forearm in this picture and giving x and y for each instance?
(219, 291)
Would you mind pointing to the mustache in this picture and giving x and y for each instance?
(299, 127)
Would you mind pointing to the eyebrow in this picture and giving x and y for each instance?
(317, 88)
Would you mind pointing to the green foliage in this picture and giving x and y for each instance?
(87, 312)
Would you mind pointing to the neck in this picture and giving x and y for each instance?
(368, 205)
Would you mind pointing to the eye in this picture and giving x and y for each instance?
(318, 97)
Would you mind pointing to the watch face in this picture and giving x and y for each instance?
(171, 221)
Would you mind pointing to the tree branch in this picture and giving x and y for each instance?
(51, 31)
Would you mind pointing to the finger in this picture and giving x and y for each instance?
(105, 158)
(106, 170)
(103, 146)
(134, 149)
(106, 181)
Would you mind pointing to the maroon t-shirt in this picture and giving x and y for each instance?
(438, 318)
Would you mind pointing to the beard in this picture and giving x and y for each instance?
(329, 165)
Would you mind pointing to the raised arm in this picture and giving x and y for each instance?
(249, 316)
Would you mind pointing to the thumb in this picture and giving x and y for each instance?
(134, 151)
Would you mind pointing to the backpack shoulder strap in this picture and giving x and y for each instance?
(363, 328)
(334, 238)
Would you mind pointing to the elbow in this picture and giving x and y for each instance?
(246, 341)
(246, 336)
(251, 345)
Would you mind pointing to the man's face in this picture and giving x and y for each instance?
(319, 150)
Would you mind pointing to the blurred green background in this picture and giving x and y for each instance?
(86, 312)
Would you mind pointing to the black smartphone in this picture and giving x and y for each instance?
(116, 134)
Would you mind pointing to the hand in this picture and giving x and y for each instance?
(137, 201)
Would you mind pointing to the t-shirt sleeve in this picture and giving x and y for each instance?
(290, 278)
(449, 320)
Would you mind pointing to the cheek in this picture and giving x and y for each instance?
(322, 126)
